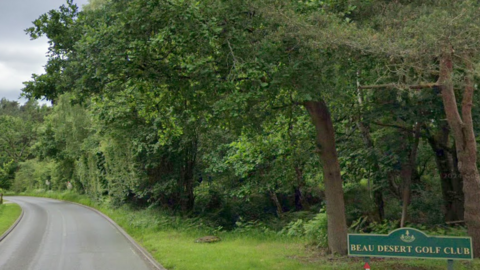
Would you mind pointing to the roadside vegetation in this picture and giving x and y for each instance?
(171, 240)
(9, 213)
(261, 121)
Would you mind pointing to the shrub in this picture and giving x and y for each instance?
(314, 230)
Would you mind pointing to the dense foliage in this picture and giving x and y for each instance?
(221, 109)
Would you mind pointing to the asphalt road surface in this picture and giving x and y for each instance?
(55, 235)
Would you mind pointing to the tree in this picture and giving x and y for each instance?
(173, 73)
(434, 38)
(18, 125)
(183, 60)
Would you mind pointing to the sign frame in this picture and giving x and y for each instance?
(419, 233)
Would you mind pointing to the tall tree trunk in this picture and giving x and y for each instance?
(450, 178)
(274, 197)
(457, 184)
(190, 154)
(466, 147)
(367, 139)
(189, 200)
(300, 202)
(325, 139)
(377, 193)
(408, 175)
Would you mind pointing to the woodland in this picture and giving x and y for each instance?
(304, 116)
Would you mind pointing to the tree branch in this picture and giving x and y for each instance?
(399, 86)
(393, 126)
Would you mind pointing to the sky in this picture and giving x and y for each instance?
(20, 56)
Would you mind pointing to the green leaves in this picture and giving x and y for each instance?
(177, 96)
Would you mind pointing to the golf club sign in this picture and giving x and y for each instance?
(410, 243)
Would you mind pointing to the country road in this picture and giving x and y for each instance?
(56, 235)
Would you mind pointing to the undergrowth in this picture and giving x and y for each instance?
(251, 245)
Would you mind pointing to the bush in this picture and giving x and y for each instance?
(7, 174)
(32, 175)
(314, 230)
(383, 228)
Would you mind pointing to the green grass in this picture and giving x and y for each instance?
(171, 241)
(8, 215)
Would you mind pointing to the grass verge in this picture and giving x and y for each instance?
(8, 215)
(171, 239)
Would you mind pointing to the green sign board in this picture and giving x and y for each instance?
(410, 243)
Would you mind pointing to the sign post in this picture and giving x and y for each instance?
(450, 265)
(410, 243)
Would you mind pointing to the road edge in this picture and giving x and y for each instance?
(146, 255)
(7, 232)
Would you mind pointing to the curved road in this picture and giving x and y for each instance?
(56, 235)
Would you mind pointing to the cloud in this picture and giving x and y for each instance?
(17, 63)
(20, 56)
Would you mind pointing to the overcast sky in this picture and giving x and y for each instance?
(20, 56)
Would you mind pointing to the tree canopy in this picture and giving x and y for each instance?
(258, 110)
